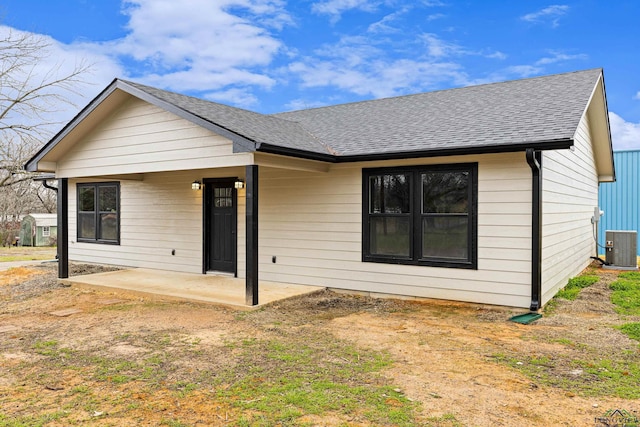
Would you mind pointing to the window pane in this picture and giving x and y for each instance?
(86, 225)
(389, 236)
(445, 192)
(108, 226)
(107, 198)
(223, 202)
(86, 199)
(445, 237)
(389, 193)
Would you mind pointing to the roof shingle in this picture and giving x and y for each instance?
(528, 111)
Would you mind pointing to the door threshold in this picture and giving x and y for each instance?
(220, 273)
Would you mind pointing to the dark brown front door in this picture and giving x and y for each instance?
(220, 199)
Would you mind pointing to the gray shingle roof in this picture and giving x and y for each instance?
(253, 126)
(499, 115)
(532, 110)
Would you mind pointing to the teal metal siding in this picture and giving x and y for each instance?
(620, 200)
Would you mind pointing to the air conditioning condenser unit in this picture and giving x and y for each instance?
(621, 249)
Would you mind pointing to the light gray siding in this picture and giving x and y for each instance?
(312, 224)
(141, 138)
(157, 215)
(570, 194)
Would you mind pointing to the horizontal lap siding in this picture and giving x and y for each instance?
(158, 214)
(139, 137)
(311, 223)
(570, 193)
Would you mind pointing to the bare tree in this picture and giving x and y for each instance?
(32, 96)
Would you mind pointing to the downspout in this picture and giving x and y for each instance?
(45, 184)
(534, 159)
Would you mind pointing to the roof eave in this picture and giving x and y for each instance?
(240, 143)
(32, 164)
(597, 114)
(556, 144)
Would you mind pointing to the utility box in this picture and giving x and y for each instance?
(621, 246)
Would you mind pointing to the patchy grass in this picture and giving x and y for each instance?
(31, 421)
(617, 376)
(292, 379)
(632, 330)
(446, 420)
(283, 381)
(582, 368)
(575, 285)
(626, 293)
(27, 253)
(626, 298)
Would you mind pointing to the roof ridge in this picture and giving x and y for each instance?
(279, 121)
(502, 82)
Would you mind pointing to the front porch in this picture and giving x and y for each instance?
(201, 288)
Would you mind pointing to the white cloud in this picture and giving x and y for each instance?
(384, 25)
(241, 97)
(335, 8)
(379, 78)
(225, 46)
(550, 13)
(557, 56)
(201, 46)
(437, 48)
(637, 96)
(303, 104)
(358, 66)
(625, 135)
(55, 61)
(497, 55)
(435, 16)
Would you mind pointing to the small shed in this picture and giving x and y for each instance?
(39, 230)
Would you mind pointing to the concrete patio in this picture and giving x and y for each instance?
(213, 289)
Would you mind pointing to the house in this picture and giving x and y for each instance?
(38, 229)
(620, 200)
(483, 194)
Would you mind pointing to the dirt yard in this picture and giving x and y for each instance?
(67, 357)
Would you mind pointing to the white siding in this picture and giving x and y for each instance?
(158, 214)
(570, 194)
(140, 138)
(312, 223)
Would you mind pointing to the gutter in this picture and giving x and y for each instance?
(45, 184)
(557, 144)
(534, 159)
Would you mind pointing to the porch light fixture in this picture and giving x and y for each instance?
(195, 185)
(239, 184)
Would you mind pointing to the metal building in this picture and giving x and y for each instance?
(620, 200)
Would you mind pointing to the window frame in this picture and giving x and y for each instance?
(415, 223)
(46, 231)
(96, 212)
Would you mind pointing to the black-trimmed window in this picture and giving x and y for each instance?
(424, 215)
(99, 212)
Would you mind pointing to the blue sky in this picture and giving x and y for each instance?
(275, 55)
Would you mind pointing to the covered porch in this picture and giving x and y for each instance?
(200, 288)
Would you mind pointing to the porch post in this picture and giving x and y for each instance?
(251, 177)
(63, 228)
